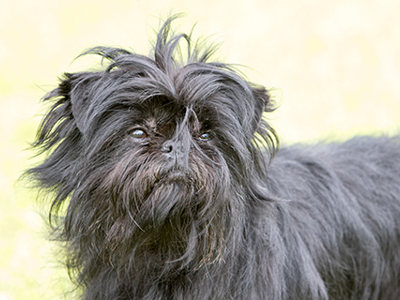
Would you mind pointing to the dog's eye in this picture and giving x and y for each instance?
(138, 134)
(205, 137)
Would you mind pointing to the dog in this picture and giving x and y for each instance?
(167, 182)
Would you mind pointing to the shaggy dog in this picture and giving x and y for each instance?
(167, 183)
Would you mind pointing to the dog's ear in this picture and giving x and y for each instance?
(61, 132)
(262, 130)
(76, 90)
(262, 103)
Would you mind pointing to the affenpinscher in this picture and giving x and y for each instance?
(167, 183)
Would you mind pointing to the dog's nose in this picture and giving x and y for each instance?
(167, 147)
(176, 152)
(175, 148)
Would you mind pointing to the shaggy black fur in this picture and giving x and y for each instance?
(161, 163)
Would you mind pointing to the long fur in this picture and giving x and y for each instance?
(199, 204)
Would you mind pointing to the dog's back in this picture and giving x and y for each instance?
(342, 219)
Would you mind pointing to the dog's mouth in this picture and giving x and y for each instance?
(172, 176)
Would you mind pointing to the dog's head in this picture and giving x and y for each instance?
(155, 157)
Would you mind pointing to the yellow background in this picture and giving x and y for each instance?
(334, 67)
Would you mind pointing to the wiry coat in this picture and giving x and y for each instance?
(170, 191)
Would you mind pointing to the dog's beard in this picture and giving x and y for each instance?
(143, 208)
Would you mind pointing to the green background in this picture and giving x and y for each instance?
(334, 67)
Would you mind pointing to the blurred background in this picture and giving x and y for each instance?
(334, 67)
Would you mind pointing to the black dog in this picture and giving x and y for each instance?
(174, 188)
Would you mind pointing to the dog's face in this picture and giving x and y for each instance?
(156, 157)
